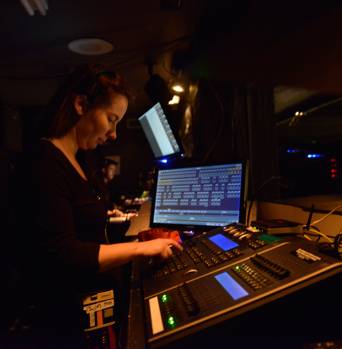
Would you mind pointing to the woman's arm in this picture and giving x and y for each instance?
(117, 254)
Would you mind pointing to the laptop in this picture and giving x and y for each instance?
(197, 198)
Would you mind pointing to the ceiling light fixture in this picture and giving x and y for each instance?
(90, 46)
(178, 87)
(175, 100)
(178, 83)
(35, 5)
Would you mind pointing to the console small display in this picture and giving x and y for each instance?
(223, 242)
(233, 288)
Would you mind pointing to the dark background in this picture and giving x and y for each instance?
(250, 64)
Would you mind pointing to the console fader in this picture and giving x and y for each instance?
(236, 271)
(202, 254)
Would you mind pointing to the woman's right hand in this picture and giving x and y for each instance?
(158, 247)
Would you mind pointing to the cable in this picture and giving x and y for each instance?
(257, 192)
(315, 233)
(307, 237)
(310, 229)
(221, 123)
(328, 214)
(333, 245)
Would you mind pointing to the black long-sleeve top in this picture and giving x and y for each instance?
(65, 223)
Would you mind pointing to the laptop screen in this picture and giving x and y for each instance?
(201, 196)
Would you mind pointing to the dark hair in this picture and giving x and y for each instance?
(91, 81)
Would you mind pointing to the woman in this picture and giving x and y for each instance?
(67, 246)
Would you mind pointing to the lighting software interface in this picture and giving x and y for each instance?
(203, 196)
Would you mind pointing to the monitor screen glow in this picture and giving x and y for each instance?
(159, 133)
(205, 196)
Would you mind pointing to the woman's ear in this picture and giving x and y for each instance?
(79, 104)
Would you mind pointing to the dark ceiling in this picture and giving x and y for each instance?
(292, 43)
(35, 57)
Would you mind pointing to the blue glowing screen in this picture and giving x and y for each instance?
(234, 289)
(223, 242)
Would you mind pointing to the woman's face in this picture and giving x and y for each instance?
(98, 124)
